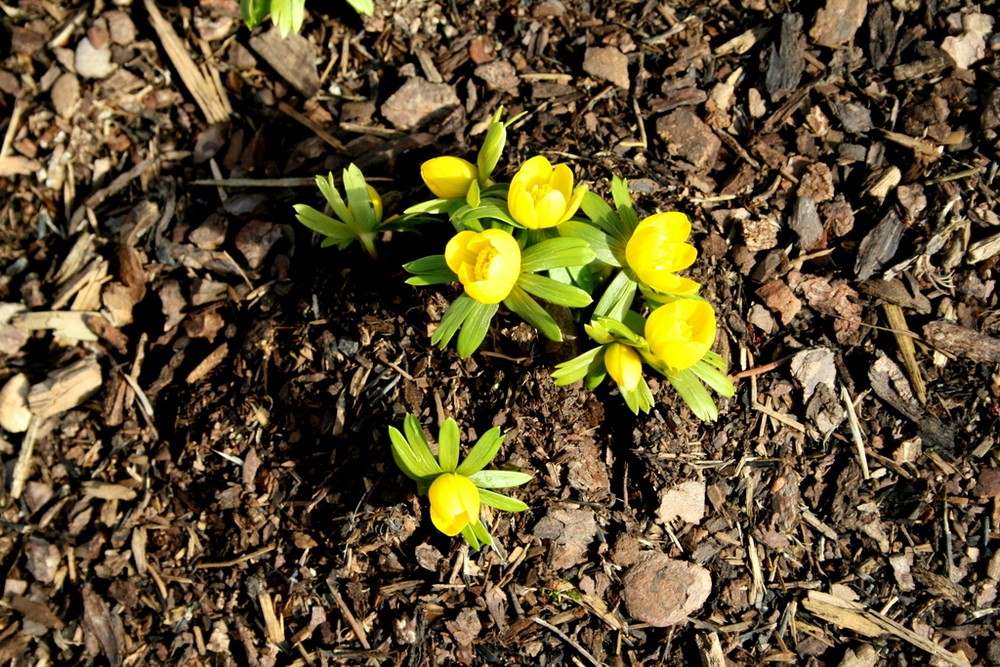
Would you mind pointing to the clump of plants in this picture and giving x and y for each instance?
(543, 237)
(289, 15)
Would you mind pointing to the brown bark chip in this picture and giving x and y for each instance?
(498, 75)
(689, 138)
(787, 60)
(417, 102)
(780, 300)
(686, 502)
(988, 484)
(662, 591)
(571, 532)
(607, 63)
(837, 22)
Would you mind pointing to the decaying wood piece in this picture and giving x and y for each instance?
(65, 388)
(208, 94)
(962, 341)
(879, 246)
(787, 58)
(70, 324)
(293, 57)
(853, 616)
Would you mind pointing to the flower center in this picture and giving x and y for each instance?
(483, 261)
(539, 190)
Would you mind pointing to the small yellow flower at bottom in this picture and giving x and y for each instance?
(454, 503)
(448, 177)
(624, 365)
(681, 331)
(488, 263)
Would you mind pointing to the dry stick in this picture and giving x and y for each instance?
(562, 635)
(206, 95)
(345, 611)
(289, 111)
(859, 442)
(292, 182)
(23, 465)
(894, 314)
(235, 561)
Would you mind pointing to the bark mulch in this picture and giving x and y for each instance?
(195, 403)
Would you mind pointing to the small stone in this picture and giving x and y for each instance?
(418, 102)
(91, 62)
(65, 95)
(689, 138)
(14, 412)
(120, 27)
(837, 22)
(607, 63)
(662, 591)
(498, 75)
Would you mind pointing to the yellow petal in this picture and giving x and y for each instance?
(673, 226)
(549, 209)
(457, 252)
(448, 176)
(681, 331)
(671, 283)
(574, 203)
(562, 180)
(624, 365)
(536, 170)
(454, 503)
(376, 203)
(522, 206)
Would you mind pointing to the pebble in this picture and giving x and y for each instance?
(65, 94)
(91, 62)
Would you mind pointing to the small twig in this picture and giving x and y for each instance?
(289, 111)
(859, 442)
(236, 561)
(345, 611)
(760, 370)
(291, 182)
(784, 419)
(562, 635)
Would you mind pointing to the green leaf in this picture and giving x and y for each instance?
(452, 320)
(366, 7)
(499, 479)
(528, 310)
(639, 399)
(500, 501)
(475, 327)
(432, 206)
(483, 535)
(288, 15)
(576, 368)
(410, 458)
(473, 198)
(418, 443)
(623, 202)
(554, 291)
(690, 388)
(621, 331)
(430, 279)
(482, 453)
(448, 445)
(254, 11)
(713, 359)
(322, 223)
(470, 536)
(328, 187)
(429, 264)
(489, 154)
(714, 378)
(605, 248)
(617, 297)
(603, 215)
(556, 253)
(359, 200)
(486, 211)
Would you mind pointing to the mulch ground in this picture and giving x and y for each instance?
(195, 461)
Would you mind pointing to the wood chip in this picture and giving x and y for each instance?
(662, 591)
(65, 388)
(201, 371)
(15, 416)
(962, 341)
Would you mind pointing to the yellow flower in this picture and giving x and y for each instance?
(542, 196)
(448, 177)
(657, 250)
(624, 365)
(454, 503)
(488, 263)
(681, 331)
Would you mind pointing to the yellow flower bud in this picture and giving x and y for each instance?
(624, 365)
(681, 331)
(657, 250)
(488, 263)
(376, 203)
(454, 503)
(448, 177)
(541, 196)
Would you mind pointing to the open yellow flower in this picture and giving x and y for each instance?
(542, 196)
(488, 263)
(657, 250)
(624, 365)
(681, 331)
(448, 177)
(454, 503)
